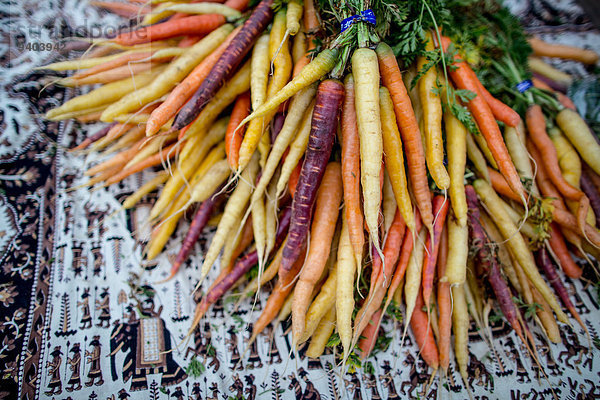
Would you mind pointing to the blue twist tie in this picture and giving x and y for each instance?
(525, 86)
(367, 16)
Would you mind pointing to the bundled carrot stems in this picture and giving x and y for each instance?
(359, 156)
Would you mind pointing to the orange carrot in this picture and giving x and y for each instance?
(409, 130)
(464, 78)
(419, 323)
(195, 24)
(233, 139)
(544, 49)
(312, 21)
(91, 117)
(329, 198)
(536, 124)
(405, 251)
(239, 5)
(369, 335)
(294, 177)
(277, 298)
(560, 250)
(122, 9)
(182, 92)
(432, 246)
(117, 159)
(380, 279)
(560, 214)
(117, 62)
(351, 171)
(501, 111)
(112, 75)
(500, 185)
(444, 305)
(117, 131)
(153, 160)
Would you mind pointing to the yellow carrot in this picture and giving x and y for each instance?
(146, 188)
(282, 68)
(237, 85)
(174, 73)
(293, 15)
(517, 244)
(104, 95)
(232, 213)
(365, 69)
(456, 139)
(394, 158)
(458, 252)
(184, 170)
(323, 332)
(432, 120)
(346, 269)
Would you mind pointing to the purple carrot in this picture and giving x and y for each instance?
(546, 263)
(276, 126)
(94, 138)
(246, 262)
(489, 264)
(227, 64)
(559, 87)
(590, 191)
(322, 134)
(198, 223)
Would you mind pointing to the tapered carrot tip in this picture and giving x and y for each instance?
(81, 145)
(168, 278)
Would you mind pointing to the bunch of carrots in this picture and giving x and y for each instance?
(349, 187)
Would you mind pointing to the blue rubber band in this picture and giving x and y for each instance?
(525, 86)
(367, 16)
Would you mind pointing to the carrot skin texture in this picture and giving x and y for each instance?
(394, 158)
(380, 278)
(592, 193)
(501, 111)
(409, 130)
(580, 136)
(369, 340)
(419, 323)
(444, 305)
(246, 262)
(538, 135)
(440, 209)
(368, 117)
(487, 124)
(276, 126)
(541, 48)
(489, 264)
(326, 213)
(94, 138)
(294, 177)
(196, 24)
(227, 63)
(559, 247)
(544, 261)
(197, 225)
(330, 95)
(351, 171)
(185, 89)
(233, 139)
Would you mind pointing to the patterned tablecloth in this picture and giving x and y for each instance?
(80, 318)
